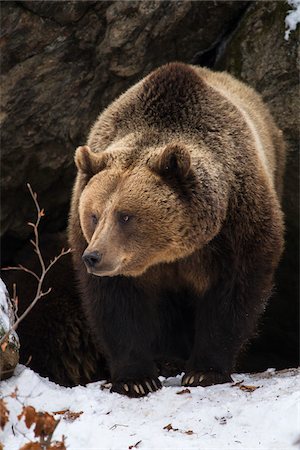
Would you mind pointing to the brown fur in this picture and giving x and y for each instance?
(183, 175)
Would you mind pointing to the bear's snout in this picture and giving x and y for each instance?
(100, 264)
(91, 259)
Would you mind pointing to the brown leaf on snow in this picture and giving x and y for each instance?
(14, 394)
(62, 411)
(71, 415)
(32, 446)
(4, 414)
(169, 427)
(45, 424)
(68, 415)
(29, 414)
(134, 445)
(58, 446)
(184, 391)
(243, 387)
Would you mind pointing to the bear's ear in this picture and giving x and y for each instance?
(174, 161)
(89, 162)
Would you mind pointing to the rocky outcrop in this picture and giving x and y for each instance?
(62, 63)
(258, 54)
(9, 349)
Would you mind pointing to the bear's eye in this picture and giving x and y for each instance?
(124, 218)
(94, 219)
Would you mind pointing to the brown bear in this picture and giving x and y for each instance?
(176, 226)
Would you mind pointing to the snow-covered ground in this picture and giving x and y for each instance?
(293, 17)
(231, 416)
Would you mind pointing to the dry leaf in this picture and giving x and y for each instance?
(14, 394)
(71, 415)
(4, 414)
(68, 415)
(57, 445)
(29, 414)
(169, 427)
(135, 445)
(184, 391)
(32, 446)
(4, 345)
(45, 424)
(243, 387)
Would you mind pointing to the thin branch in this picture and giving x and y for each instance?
(39, 292)
(40, 214)
(52, 262)
(24, 269)
(15, 301)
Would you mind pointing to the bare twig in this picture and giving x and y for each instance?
(44, 269)
(23, 269)
(15, 302)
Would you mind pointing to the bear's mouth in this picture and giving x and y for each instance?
(105, 271)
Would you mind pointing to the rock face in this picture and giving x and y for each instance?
(62, 63)
(9, 350)
(258, 54)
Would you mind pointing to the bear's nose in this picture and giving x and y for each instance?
(90, 259)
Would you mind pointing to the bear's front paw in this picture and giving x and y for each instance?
(204, 379)
(137, 388)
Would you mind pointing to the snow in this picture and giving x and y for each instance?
(217, 417)
(6, 315)
(293, 17)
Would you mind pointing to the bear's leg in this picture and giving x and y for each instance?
(126, 323)
(226, 318)
(175, 338)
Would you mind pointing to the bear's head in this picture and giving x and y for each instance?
(152, 212)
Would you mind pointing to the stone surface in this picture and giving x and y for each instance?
(9, 350)
(62, 63)
(258, 54)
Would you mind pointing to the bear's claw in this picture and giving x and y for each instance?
(136, 388)
(203, 379)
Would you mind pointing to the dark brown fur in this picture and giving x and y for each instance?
(194, 159)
